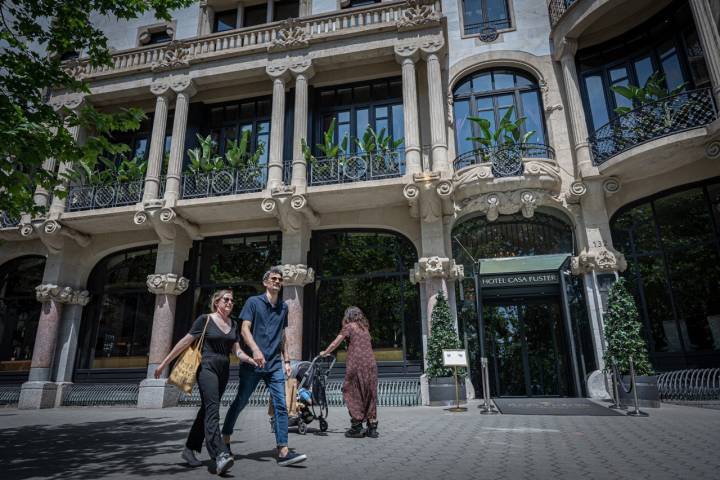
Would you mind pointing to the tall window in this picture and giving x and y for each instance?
(479, 15)
(377, 104)
(19, 311)
(672, 245)
(225, 20)
(667, 44)
(284, 9)
(118, 320)
(489, 94)
(369, 270)
(255, 15)
(228, 122)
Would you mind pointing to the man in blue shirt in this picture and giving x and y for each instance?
(264, 319)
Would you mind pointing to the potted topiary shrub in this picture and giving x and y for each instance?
(443, 336)
(624, 340)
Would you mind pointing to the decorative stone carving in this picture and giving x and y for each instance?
(182, 84)
(290, 35)
(436, 267)
(71, 101)
(611, 186)
(291, 209)
(545, 89)
(506, 203)
(418, 14)
(577, 189)
(432, 45)
(160, 87)
(297, 275)
(603, 259)
(49, 292)
(712, 150)
(26, 230)
(76, 69)
(175, 55)
(429, 196)
(167, 283)
(488, 34)
(165, 220)
(450, 108)
(52, 231)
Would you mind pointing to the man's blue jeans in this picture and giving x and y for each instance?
(275, 382)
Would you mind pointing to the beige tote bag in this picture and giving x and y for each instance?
(185, 370)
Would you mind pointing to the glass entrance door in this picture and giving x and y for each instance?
(526, 347)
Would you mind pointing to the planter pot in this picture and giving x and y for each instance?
(442, 391)
(647, 390)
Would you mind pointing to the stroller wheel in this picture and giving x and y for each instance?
(323, 425)
(302, 427)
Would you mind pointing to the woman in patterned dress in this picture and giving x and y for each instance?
(360, 387)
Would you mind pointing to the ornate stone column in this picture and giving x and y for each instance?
(433, 273)
(578, 125)
(302, 71)
(184, 89)
(406, 56)
(438, 132)
(279, 74)
(295, 277)
(163, 93)
(39, 391)
(710, 40)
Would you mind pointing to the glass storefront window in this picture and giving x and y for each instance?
(19, 311)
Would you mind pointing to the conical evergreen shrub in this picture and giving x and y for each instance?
(623, 333)
(442, 337)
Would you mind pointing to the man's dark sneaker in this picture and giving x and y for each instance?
(291, 459)
(223, 463)
(372, 430)
(355, 430)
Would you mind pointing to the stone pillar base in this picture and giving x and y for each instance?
(424, 390)
(35, 395)
(61, 388)
(157, 394)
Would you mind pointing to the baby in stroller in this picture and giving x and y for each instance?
(306, 395)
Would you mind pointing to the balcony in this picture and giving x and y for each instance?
(360, 167)
(652, 121)
(288, 34)
(92, 197)
(6, 221)
(557, 8)
(230, 181)
(504, 160)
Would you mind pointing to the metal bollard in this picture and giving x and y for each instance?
(637, 412)
(487, 408)
(616, 391)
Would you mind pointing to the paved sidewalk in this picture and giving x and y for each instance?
(416, 443)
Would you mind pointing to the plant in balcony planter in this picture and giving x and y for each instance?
(238, 156)
(378, 148)
(443, 336)
(624, 340)
(203, 159)
(132, 170)
(508, 132)
(330, 152)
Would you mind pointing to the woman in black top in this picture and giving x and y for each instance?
(221, 338)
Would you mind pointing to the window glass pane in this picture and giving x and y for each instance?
(497, 11)
(264, 108)
(283, 10)
(463, 127)
(523, 81)
(216, 116)
(684, 219)
(343, 117)
(159, 37)
(344, 96)
(381, 112)
(643, 70)
(484, 103)
(255, 15)
(505, 100)
(472, 12)
(463, 88)
(503, 80)
(671, 68)
(596, 97)
(362, 93)
(651, 271)
(618, 74)
(533, 117)
(226, 20)
(395, 89)
(380, 91)
(343, 136)
(482, 83)
(380, 125)
(231, 113)
(398, 124)
(362, 121)
(141, 146)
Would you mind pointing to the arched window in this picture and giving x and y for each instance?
(19, 311)
(117, 322)
(368, 269)
(488, 95)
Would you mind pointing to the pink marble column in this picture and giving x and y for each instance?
(295, 277)
(166, 287)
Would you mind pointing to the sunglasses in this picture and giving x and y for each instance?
(276, 279)
(227, 300)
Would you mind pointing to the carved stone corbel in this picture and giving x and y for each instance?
(165, 221)
(290, 35)
(429, 196)
(49, 292)
(167, 283)
(418, 14)
(436, 267)
(576, 191)
(51, 233)
(712, 150)
(297, 275)
(602, 259)
(611, 186)
(290, 208)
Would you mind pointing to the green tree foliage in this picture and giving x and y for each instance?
(622, 333)
(34, 34)
(443, 336)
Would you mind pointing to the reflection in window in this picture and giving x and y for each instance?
(671, 245)
(489, 95)
(19, 311)
(370, 270)
(225, 20)
(479, 15)
(117, 322)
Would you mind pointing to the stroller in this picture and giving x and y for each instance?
(309, 401)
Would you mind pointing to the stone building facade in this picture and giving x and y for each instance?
(524, 237)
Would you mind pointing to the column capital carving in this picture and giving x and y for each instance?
(436, 267)
(431, 46)
(182, 84)
(297, 275)
(165, 221)
(291, 209)
(167, 283)
(602, 259)
(161, 88)
(70, 101)
(405, 52)
(429, 196)
(302, 66)
(49, 292)
(566, 49)
(51, 233)
(278, 70)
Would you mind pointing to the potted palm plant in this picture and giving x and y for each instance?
(332, 156)
(443, 336)
(203, 162)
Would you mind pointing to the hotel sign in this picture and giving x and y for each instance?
(518, 279)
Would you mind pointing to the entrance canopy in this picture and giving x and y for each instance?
(535, 263)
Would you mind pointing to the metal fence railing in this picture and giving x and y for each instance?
(117, 194)
(505, 160)
(94, 395)
(357, 167)
(557, 8)
(698, 387)
(6, 221)
(669, 115)
(229, 181)
(9, 395)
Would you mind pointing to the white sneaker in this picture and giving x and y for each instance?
(223, 463)
(190, 458)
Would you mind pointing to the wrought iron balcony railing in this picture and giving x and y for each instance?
(230, 181)
(91, 197)
(557, 8)
(6, 221)
(505, 160)
(291, 33)
(357, 167)
(489, 28)
(666, 116)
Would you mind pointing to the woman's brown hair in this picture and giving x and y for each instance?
(216, 296)
(355, 315)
